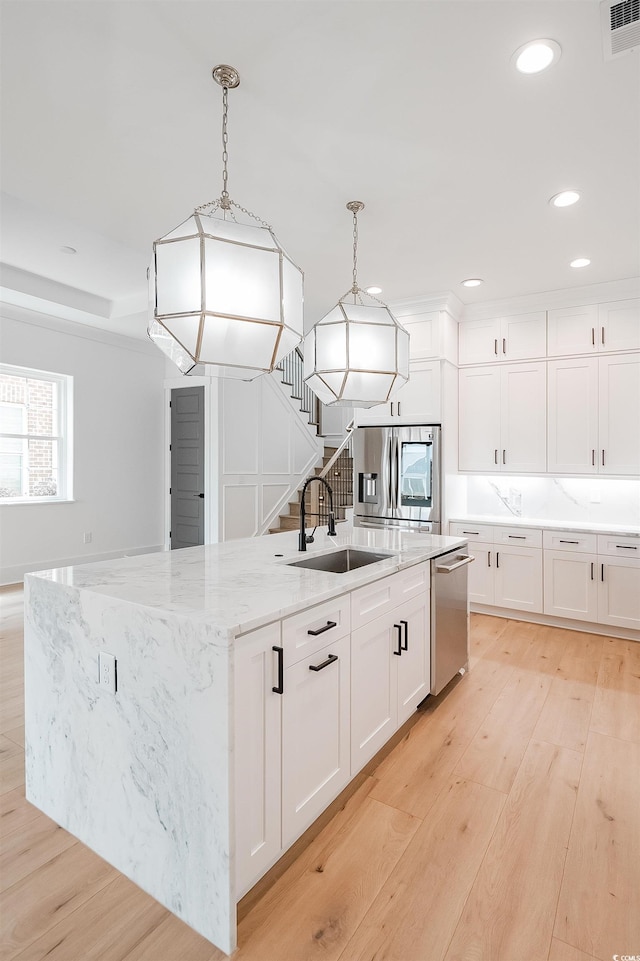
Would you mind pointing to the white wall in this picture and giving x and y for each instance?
(118, 447)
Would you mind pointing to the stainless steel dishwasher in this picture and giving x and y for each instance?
(449, 617)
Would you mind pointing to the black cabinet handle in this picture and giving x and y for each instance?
(405, 646)
(477, 533)
(321, 630)
(398, 628)
(626, 547)
(520, 537)
(569, 542)
(280, 688)
(319, 667)
(602, 573)
(591, 570)
(497, 558)
(488, 558)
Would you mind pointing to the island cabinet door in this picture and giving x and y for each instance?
(257, 754)
(315, 736)
(374, 649)
(414, 664)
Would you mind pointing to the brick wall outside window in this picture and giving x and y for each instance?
(38, 398)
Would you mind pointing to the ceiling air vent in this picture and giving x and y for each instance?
(620, 27)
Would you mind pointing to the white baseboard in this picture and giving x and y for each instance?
(569, 624)
(15, 575)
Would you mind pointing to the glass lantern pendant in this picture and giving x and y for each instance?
(357, 355)
(225, 298)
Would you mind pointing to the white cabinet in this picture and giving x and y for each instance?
(502, 424)
(519, 337)
(417, 402)
(591, 329)
(592, 578)
(390, 675)
(594, 415)
(315, 736)
(619, 414)
(507, 571)
(257, 752)
(570, 585)
(619, 580)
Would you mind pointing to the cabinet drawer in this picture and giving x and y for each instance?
(473, 532)
(330, 621)
(620, 545)
(372, 601)
(415, 580)
(570, 541)
(517, 536)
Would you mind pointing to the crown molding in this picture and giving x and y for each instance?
(548, 300)
(27, 315)
(427, 303)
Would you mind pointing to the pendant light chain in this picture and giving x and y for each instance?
(354, 289)
(225, 153)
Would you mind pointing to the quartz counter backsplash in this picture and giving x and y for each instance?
(586, 499)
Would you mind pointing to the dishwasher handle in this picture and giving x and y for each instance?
(460, 561)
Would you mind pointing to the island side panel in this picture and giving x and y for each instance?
(142, 777)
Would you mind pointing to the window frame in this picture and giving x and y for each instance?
(62, 439)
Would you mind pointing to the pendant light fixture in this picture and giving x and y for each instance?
(357, 355)
(225, 298)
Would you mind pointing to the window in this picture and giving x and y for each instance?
(35, 435)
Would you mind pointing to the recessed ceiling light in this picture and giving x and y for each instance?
(536, 55)
(373, 290)
(68, 250)
(472, 282)
(565, 198)
(580, 262)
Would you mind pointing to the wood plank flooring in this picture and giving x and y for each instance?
(505, 826)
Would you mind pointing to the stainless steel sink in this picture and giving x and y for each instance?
(340, 562)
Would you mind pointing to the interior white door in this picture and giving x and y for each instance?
(573, 415)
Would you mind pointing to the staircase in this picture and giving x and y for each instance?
(340, 474)
(316, 501)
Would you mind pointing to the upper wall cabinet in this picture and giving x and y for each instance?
(503, 418)
(520, 337)
(587, 330)
(418, 402)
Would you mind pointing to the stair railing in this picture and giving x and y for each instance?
(292, 368)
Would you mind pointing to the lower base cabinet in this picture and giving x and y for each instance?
(313, 701)
(508, 577)
(390, 676)
(315, 736)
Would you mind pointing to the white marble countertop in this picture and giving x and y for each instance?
(243, 584)
(552, 525)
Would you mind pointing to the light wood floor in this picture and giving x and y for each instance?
(504, 827)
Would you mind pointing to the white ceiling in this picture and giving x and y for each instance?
(111, 136)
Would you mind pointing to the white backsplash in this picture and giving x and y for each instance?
(589, 499)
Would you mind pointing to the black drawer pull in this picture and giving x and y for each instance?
(477, 533)
(321, 630)
(398, 628)
(405, 646)
(627, 547)
(280, 688)
(569, 542)
(519, 537)
(329, 660)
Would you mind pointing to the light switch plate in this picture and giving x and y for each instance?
(107, 672)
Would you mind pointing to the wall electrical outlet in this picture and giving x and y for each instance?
(107, 672)
(87, 536)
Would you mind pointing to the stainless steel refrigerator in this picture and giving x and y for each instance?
(397, 477)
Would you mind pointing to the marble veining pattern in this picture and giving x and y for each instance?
(141, 777)
(144, 777)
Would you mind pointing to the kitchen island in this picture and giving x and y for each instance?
(144, 736)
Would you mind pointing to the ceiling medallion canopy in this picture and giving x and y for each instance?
(225, 298)
(357, 355)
